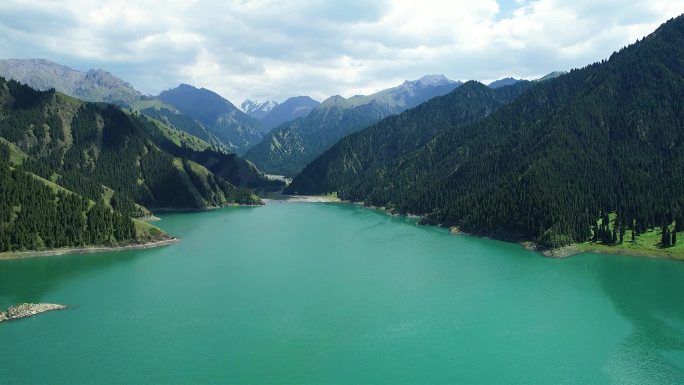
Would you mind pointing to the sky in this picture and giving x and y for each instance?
(270, 49)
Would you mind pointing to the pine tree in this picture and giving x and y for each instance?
(665, 238)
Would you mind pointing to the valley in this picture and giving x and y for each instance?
(278, 192)
(517, 159)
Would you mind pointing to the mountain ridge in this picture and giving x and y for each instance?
(289, 147)
(291, 109)
(216, 113)
(93, 85)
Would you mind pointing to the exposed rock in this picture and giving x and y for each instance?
(27, 310)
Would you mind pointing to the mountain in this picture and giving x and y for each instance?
(291, 109)
(288, 148)
(168, 115)
(587, 156)
(509, 81)
(357, 155)
(217, 114)
(74, 173)
(256, 109)
(502, 82)
(93, 85)
(102, 86)
(551, 75)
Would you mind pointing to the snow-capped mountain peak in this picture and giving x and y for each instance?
(257, 109)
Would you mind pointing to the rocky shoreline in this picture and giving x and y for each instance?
(559, 252)
(85, 250)
(28, 309)
(301, 199)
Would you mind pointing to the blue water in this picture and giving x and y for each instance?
(333, 293)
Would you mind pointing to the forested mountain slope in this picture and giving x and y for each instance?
(36, 214)
(220, 116)
(605, 138)
(100, 155)
(170, 116)
(359, 153)
(288, 148)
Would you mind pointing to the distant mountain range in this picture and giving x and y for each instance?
(298, 136)
(510, 81)
(92, 86)
(291, 109)
(289, 147)
(272, 114)
(228, 129)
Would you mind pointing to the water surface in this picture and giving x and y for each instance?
(333, 293)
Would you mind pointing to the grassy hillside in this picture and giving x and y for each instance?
(167, 116)
(647, 243)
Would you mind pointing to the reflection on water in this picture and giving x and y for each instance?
(30, 279)
(319, 293)
(651, 297)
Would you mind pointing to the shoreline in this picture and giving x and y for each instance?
(149, 218)
(301, 199)
(580, 248)
(574, 248)
(9, 255)
(84, 250)
(553, 253)
(163, 210)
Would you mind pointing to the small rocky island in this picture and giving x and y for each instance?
(27, 310)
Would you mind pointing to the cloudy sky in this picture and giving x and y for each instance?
(269, 49)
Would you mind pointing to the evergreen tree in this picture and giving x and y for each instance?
(665, 238)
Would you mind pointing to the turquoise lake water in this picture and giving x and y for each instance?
(308, 293)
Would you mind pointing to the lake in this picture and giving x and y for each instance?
(334, 293)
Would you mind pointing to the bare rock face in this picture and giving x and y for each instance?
(92, 86)
(28, 309)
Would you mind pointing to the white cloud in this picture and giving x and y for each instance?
(275, 49)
